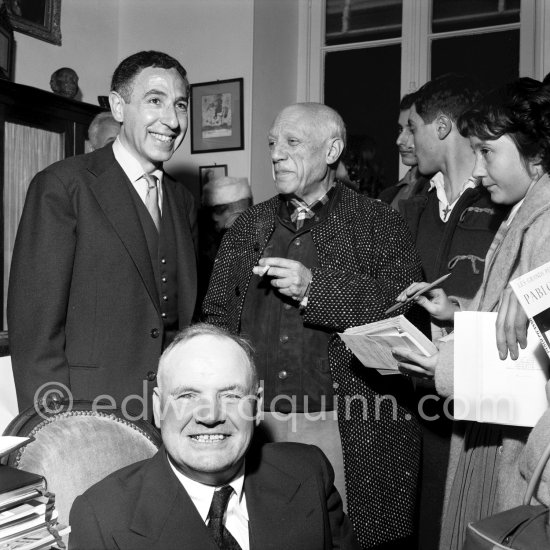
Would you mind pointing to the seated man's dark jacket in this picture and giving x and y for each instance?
(290, 496)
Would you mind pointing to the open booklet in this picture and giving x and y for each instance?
(372, 343)
(533, 293)
(488, 389)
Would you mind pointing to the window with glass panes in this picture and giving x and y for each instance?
(375, 51)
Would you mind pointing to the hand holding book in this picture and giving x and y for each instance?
(511, 327)
(415, 364)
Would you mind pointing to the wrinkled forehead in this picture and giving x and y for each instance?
(219, 358)
(296, 120)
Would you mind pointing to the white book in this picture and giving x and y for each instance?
(24, 525)
(34, 506)
(372, 343)
(488, 389)
(10, 443)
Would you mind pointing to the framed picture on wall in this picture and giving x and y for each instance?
(6, 45)
(217, 116)
(210, 173)
(37, 18)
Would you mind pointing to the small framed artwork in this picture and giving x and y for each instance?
(37, 18)
(210, 173)
(6, 45)
(217, 116)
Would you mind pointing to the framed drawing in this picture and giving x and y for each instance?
(6, 45)
(37, 18)
(217, 116)
(210, 173)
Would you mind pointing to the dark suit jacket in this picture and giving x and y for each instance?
(290, 497)
(83, 304)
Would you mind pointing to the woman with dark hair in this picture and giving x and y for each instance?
(509, 131)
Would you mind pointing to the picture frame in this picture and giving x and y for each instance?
(37, 18)
(217, 116)
(6, 45)
(208, 173)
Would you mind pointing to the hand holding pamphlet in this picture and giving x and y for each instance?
(372, 343)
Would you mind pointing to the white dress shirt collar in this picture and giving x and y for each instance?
(445, 208)
(133, 169)
(202, 494)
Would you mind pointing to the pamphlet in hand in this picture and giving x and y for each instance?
(372, 343)
(533, 293)
(489, 389)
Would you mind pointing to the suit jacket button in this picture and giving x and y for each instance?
(256, 247)
(151, 375)
(155, 333)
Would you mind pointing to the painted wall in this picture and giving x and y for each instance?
(89, 32)
(213, 39)
(276, 26)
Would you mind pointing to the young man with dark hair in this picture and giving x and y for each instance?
(453, 221)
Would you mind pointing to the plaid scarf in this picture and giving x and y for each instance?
(303, 211)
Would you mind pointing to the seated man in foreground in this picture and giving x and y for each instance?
(198, 491)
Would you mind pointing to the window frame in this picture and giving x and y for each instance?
(534, 27)
(415, 41)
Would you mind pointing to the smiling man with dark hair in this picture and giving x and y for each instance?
(103, 272)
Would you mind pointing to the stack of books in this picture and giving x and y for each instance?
(28, 518)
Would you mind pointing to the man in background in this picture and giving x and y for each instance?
(103, 130)
(223, 200)
(103, 272)
(210, 486)
(290, 274)
(412, 181)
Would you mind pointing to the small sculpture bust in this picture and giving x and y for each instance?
(64, 82)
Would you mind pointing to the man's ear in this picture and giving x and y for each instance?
(335, 148)
(535, 167)
(117, 106)
(444, 125)
(157, 407)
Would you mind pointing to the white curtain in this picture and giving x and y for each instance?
(27, 150)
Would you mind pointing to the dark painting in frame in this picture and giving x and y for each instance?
(217, 116)
(6, 45)
(210, 173)
(37, 18)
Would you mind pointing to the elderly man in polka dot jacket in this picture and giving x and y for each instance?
(292, 272)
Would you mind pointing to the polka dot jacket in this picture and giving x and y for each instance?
(366, 258)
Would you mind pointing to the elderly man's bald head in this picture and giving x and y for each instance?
(305, 142)
(323, 118)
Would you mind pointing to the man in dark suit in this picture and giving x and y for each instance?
(103, 271)
(207, 488)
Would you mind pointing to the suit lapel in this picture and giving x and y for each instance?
(165, 518)
(280, 509)
(110, 188)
